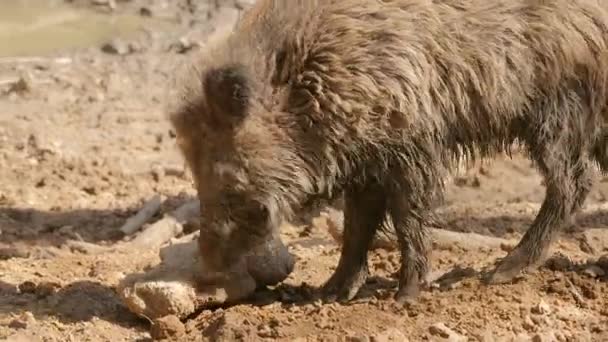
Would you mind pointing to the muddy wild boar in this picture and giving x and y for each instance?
(377, 100)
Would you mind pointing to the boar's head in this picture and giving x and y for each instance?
(245, 166)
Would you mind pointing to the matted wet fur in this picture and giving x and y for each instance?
(377, 100)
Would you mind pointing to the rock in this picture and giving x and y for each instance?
(389, 335)
(27, 287)
(440, 329)
(168, 327)
(541, 308)
(21, 85)
(559, 262)
(47, 288)
(145, 11)
(155, 299)
(117, 47)
(266, 331)
(22, 322)
(528, 324)
(595, 239)
(243, 4)
(13, 252)
(111, 4)
(454, 277)
(175, 288)
(157, 172)
(185, 44)
(544, 337)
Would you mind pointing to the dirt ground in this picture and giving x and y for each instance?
(84, 142)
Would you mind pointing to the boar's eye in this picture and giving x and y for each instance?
(254, 212)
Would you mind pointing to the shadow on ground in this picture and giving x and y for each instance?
(53, 228)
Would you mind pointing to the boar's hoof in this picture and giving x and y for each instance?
(344, 287)
(511, 267)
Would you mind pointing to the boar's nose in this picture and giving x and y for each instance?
(270, 264)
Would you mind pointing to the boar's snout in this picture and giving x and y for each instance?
(270, 263)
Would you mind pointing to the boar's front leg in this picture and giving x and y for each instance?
(364, 212)
(415, 244)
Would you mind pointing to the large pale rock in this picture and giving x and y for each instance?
(175, 286)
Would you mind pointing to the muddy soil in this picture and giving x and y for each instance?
(84, 142)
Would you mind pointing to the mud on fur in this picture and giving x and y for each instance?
(377, 100)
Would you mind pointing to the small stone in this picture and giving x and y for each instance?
(12, 252)
(145, 12)
(27, 287)
(528, 324)
(168, 327)
(475, 183)
(357, 338)
(158, 173)
(559, 262)
(389, 335)
(47, 288)
(185, 44)
(27, 319)
(21, 86)
(541, 308)
(486, 336)
(544, 337)
(135, 47)
(440, 329)
(506, 247)
(116, 47)
(109, 3)
(594, 271)
(265, 331)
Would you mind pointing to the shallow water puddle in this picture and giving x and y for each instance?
(32, 27)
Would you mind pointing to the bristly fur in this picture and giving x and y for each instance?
(381, 98)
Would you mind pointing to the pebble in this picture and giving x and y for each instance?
(559, 262)
(440, 329)
(110, 3)
(357, 338)
(265, 331)
(528, 324)
(12, 252)
(119, 47)
(47, 288)
(544, 337)
(168, 327)
(184, 45)
(146, 12)
(27, 287)
(27, 319)
(389, 335)
(541, 308)
(20, 86)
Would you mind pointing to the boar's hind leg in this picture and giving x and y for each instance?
(364, 212)
(414, 242)
(584, 180)
(568, 178)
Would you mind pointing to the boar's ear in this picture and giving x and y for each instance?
(227, 91)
